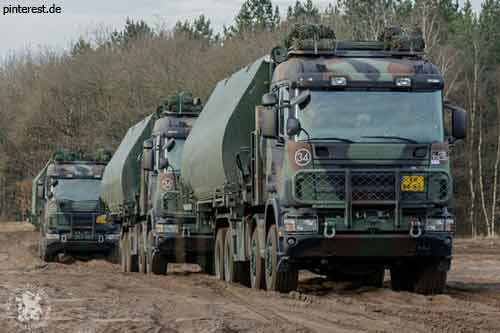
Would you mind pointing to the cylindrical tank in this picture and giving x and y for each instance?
(223, 128)
(121, 179)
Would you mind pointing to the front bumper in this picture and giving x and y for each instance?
(184, 248)
(102, 244)
(367, 246)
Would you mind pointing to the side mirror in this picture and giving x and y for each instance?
(269, 100)
(269, 123)
(293, 127)
(148, 156)
(459, 123)
(54, 182)
(170, 145)
(163, 164)
(302, 100)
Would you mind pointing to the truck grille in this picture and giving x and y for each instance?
(320, 186)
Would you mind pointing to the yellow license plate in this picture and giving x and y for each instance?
(413, 184)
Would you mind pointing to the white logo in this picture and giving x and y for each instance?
(30, 307)
(167, 184)
(302, 157)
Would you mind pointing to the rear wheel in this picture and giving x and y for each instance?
(124, 253)
(131, 258)
(229, 264)
(141, 260)
(256, 263)
(284, 281)
(155, 262)
(220, 239)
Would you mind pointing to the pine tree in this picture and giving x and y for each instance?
(256, 15)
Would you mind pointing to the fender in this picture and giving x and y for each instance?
(272, 207)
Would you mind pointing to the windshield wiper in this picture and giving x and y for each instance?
(332, 139)
(391, 137)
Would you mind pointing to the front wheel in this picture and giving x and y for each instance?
(431, 280)
(284, 281)
(257, 279)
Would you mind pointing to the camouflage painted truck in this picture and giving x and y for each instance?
(66, 207)
(331, 156)
(142, 192)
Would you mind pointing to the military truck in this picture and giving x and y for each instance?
(142, 192)
(66, 207)
(330, 156)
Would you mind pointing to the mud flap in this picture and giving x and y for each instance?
(284, 264)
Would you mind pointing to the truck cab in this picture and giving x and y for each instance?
(174, 235)
(66, 206)
(357, 163)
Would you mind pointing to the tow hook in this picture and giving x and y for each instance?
(329, 233)
(415, 229)
(100, 239)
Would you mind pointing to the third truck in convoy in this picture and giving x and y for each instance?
(331, 156)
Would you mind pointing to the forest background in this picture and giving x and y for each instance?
(87, 98)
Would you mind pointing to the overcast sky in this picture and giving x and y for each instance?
(81, 17)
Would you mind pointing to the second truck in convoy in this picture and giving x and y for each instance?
(141, 191)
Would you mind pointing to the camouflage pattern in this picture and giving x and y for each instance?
(66, 205)
(322, 69)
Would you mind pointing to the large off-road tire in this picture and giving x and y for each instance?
(229, 263)
(284, 281)
(124, 248)
(207, 265)
(131, 258)
(402, 278)
(219, 255)
(256, 271)
(43, 253)
(159, 264)
(431, 280)
(141, 258)
(114, 255)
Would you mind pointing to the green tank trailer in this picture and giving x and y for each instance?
(330, 156)
(66, 207)
(142, 191)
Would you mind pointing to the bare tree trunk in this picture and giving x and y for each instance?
(472, 190)
(481, 180)
(495, 172)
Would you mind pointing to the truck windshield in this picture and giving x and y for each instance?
(77, 189)
(362, 115)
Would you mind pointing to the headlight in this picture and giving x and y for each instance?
(301, 224)
(113, 237)
(167, 228)
(52, 236)
(440, 224)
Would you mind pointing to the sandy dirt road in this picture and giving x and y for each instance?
(94, 296)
